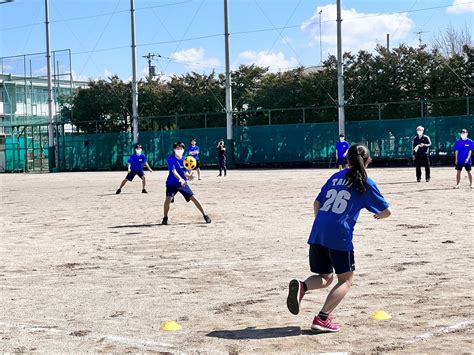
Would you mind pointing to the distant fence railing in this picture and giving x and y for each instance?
(440, 107)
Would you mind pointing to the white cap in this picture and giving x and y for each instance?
(420, 127)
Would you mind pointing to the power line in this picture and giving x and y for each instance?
(94, 16)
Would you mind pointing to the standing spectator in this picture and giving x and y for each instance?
(221, 156)
(193, 150)
(462, 157)
(341, 152)
(421, 152)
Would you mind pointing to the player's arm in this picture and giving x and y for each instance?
(177, 176)
(468, 156)
(456, 156)
(384, 214)
(189, 175)
(429, 142)
(148, 167)
(316, 206)
(129, 168)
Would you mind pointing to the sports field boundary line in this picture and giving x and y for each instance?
(440, 331)
(141, 343)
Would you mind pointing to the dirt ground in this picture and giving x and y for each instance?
(83, 269)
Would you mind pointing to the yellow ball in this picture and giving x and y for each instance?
(190, 163)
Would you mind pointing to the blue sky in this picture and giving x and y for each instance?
(98, 31)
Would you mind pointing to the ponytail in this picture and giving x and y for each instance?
(357, 156)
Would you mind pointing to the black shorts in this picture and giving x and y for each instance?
(132, 174)
(172, 190)
(323, 260)
(459, 167)
(341, 161)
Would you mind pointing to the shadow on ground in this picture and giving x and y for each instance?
(265, 333)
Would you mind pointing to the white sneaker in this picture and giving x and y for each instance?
(456, 187)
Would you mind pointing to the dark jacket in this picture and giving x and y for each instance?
(422, 151)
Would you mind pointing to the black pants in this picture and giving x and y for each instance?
(222, 166)
(422, 161)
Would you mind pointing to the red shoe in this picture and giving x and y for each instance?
(326, 326)
(295, 295)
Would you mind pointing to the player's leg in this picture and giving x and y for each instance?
(198, 169)
(427, 169)
(320, 264)
(166, 209)
(418, 168)
(224, 166)
(129, 177)
(220, 166)
(458, 176)
(469, 175)
(344, 265)
(198, 204)
(143, 184)
(338, 292)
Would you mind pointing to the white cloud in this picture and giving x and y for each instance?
(195, 59)
(461, 6)
(359, 30)
(276, 61)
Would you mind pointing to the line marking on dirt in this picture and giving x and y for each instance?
(440, 331)
(89, 336)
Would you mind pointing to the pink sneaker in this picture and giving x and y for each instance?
(326, 326)
(295, 295)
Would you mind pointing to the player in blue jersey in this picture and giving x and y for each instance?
(177, 181)
(341, 152)
(193, 150)
(135, 167)
(336, 210)
(462, 157)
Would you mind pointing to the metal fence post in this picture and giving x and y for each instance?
(467, 105)
(379, 110)
(205, 120)
(304, 115)
(422, 111)
(269, 117)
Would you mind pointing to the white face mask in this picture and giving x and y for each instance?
(420, 133)
(138, 151)
(463, 136)
(341, 139)
(179, 152)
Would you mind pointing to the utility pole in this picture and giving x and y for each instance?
(151, 69)
(228, 93)
(320, 38)
(419, 33)
(388, 42)
(134, 75)
(51, 145)
(340, 78)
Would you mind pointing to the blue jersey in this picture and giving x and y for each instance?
(194, 149)
(463, 147)
(175, 164)
(136, 162)
(341, 148)
(340, 208)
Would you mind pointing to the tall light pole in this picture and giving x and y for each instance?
(134, 76)
(228, 94)
(51, 145)
(320, 38)
(340, 78)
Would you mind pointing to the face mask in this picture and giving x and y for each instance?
(179, 152)
(420, 133)
(138, 151)
(341, 139)
(463, 136)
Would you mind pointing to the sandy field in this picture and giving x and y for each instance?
(83, 269)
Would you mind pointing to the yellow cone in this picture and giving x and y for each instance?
(170, 325)
(380, 315)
